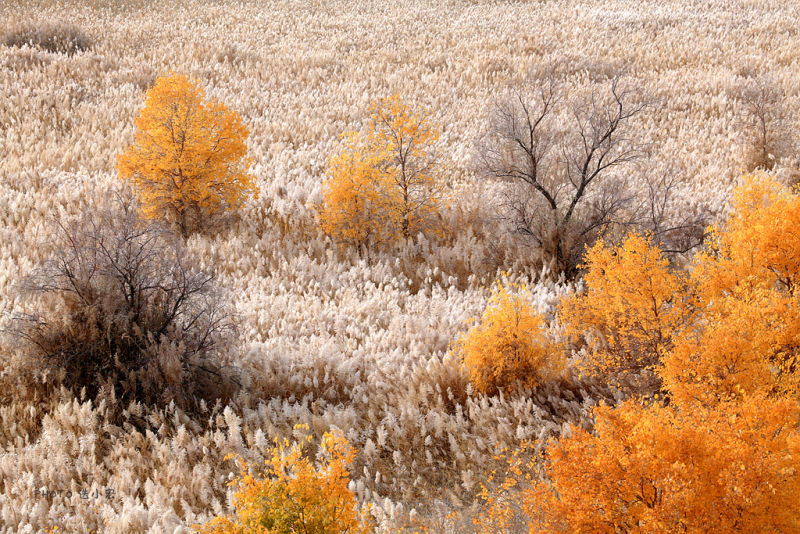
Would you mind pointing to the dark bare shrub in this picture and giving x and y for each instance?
(121, 309)
(59, 38)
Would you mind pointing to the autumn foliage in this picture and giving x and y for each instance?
(504, 509)
(295, 495)
(356, 207)
(189, 158)
(509, 348)
(384, 185)
(406, 137)
(725, 328)
(633, 306)
(720, 452)
(690, 469)
(748, 336)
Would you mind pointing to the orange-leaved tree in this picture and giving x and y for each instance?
(722, 454)
(633, 306)
(295, 495)
(747, 336)
(732, 468)
(509, 347)
(189, 158)
(384, 185)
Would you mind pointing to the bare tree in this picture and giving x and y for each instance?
(121, 305)
(562, 160)
(764, 125)
(675, 233)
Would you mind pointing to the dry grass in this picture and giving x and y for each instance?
(58, 38)
(325, 339)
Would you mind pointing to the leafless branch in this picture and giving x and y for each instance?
(120, 299)
(565, 152)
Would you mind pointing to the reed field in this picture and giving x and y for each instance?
(324, 336)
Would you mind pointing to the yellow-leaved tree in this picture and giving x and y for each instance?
(295, 495)
(384, 185)
(633, 306)
(747, 338)
(509, 347)
(188, 159)
(406, 138)
(720, 452)
(355, 208)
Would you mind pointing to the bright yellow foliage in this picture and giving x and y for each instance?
(188, 159)
(747, 336)
(407, 138)
(384, 185)
(632, 307)
(295, 496)
(733, 468)
(355, 205)
(508, 348)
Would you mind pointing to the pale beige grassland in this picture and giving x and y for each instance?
(326, 339)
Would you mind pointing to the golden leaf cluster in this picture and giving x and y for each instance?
(509, 347)
(295, 495)
(746, 336)
(384, 185)
(189, 157)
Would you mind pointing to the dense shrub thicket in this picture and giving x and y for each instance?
(717, 450)
(60, 38)
(121, 309)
